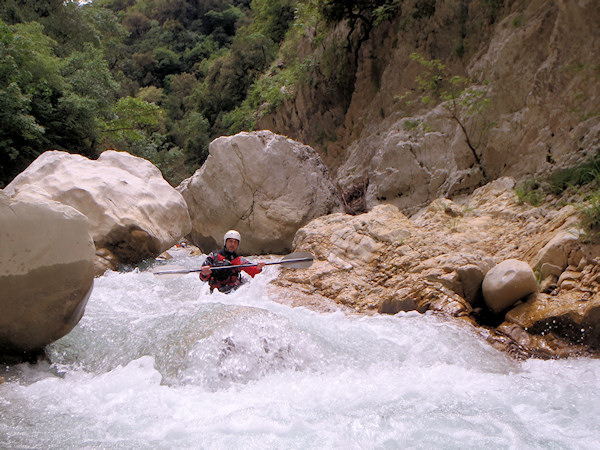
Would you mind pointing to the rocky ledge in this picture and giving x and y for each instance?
(439, 259)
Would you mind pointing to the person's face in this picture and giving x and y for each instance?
(231, 245)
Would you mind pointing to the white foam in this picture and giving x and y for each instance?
(164, 364)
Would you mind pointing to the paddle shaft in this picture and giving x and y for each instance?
(256, 264)
(235, 266)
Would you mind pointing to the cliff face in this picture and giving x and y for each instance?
(537, 62)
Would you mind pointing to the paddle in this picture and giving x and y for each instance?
(297, 260)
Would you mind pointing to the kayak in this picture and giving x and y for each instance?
(228, 289)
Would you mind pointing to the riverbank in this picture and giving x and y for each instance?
(385, 262)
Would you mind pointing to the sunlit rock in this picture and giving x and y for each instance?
(558, 249)
(570, 317)
(46, 272)
(506, 283)
(382, 261)
(133, 212)
(263, 185)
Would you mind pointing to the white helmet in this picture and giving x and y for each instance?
(232, 234)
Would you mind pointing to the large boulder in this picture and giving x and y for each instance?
(46, 272)
(506, 283)
(133, 212)
(262, 184)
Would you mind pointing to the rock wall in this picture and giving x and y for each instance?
(537, 60)
(438, 259)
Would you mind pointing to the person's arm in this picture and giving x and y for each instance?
(206, 270)
(252, 270)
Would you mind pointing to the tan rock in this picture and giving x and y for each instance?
(558, 249)
(548, 269)
(548, 284)
(428, 266)
(471, 277)
(570, 317)
(132, 210)
(105, 260)
(569, 275)
(545, 112)
(263, 185)
(515, 340)
(506, 283)
(46, 272)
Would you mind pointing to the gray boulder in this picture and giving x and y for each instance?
(46, 272)
(263, 185)
(133, 212)
(506, 283)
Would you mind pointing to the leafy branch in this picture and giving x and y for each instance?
(459, 97)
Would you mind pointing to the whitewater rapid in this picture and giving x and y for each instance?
(160, 363)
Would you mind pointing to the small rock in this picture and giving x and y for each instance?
(548, 269)
(548, 284)
(568, 285)
(569, 275)
(557, 251)
(471, 277)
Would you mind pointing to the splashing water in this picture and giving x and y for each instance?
(161, 363)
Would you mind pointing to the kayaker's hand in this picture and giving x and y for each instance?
(206, 270)
(260, 265)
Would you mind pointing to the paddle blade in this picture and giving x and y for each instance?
(171, 271)
(297, 260)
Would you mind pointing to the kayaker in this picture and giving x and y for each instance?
(227, 280)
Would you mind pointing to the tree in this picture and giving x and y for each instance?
(460, 97)
(231, 75)
(133, 120)
(273, 17)
(48, 102)
(28, 79)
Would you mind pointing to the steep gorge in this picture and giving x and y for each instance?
(536, 61)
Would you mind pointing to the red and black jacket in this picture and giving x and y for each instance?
(226, 277)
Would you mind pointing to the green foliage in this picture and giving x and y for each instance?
(372, 11)
(575, 176)
(264, 96)
(132, 121)
(47, 102)
(197, 128)
(386, 11)
(529, 192)
(230, 77)
(458, 95)
(591, 214)
(409, 125)
(27, 79)
(272, 18)
(586, 174)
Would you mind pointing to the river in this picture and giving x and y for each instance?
(159, 363)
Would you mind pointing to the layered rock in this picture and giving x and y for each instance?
(263, 185)
(385, 262)
(133, 212)
(381, 261)
(46, 272)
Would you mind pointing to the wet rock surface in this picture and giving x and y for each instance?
(385, 262)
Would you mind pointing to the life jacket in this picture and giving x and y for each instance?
(226, 280)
